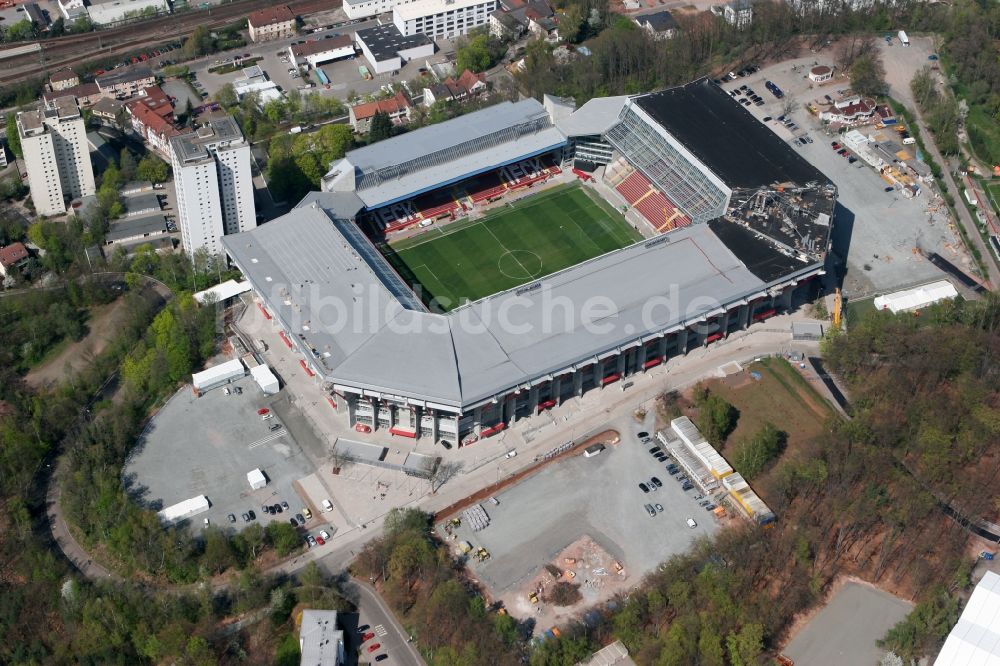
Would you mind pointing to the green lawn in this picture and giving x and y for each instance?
(535, 237)
(993, 192)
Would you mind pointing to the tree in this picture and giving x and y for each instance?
(13, 137)
(716, 417)
(868, 75)
(227, 97)
(283, 537)
(199, 43)
(23, 29)
(127, 165)
(152, 168)
(381, 127)
(745, 646)
(754, 456)
(474, 54)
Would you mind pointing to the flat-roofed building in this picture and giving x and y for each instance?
(315, 52)
(54, 144)
(386, 48)
(271, 23)
(321, 643)
(103, 12)
(125, 83)
(442, 18)
(214, 184)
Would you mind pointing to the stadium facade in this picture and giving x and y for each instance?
(738, 226)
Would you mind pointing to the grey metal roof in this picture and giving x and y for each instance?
(136, 226)
(343, 205)
(126, 75)
(595, 117)
(421, 146)
(303, 265)
(386, 41)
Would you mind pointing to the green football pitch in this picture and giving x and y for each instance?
(534, 237)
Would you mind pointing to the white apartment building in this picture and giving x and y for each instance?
(54, 144)
(442, 18)
(214, 184)
(357, 9)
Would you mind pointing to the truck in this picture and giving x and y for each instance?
(903, 39)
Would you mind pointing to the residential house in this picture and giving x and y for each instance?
(849, 109)
(12, 257)
(660, 25)
(125, 83)
(86, 94)
(271, 23)
(516, 17)
(397, 108)
(738, 13)
(64, 78)
(109, 112)
(467, 85)
(151, 116)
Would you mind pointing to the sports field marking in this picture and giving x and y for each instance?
(507, 251)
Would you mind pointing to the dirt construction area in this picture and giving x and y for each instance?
(102, 324)
(588, 510)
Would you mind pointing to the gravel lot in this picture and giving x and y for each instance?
(206, 446)
(846, 630)
(580, 496)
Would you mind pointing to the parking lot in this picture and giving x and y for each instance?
(578, 497)
(877, 231)
(206, 445)
(846, 630)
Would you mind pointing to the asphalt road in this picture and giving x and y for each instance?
(389, 634)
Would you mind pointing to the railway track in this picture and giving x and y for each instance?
(71, 50)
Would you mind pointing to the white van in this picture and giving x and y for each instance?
(327, 505)
(691, 523)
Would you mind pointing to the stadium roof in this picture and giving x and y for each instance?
(595, 117)
(305, 265)
(414, 156)
(738, 148)
(975, 640)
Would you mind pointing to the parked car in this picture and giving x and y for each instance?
(324, 534)
(320, 540)
(284, 505)
(656, 482)
(658, 507)
(643, 434)
(709, 507)
(307, 513)
(311, 540)
(367, 637)
(643, 487)
(293, 522)
(253, 516)
(650, 510)
(691, 523)
(263, 410)
(363, 628)
(660, 457)
(374, 647)
(890, 189)
(276, 508)
(381, 657)
(232, 518)
(299, 518)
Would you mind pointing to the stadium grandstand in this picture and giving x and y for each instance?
(734, 227)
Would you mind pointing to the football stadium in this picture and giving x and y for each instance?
(453, 279)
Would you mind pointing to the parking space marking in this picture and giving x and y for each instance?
(269, 438)
(380, 630)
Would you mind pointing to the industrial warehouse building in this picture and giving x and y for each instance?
(737, 226)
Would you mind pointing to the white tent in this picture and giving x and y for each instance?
(185, 509)
(265, 379)
(976, 637)
(223, 291)
(257, 479)
(218, 375)
(914, 299)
